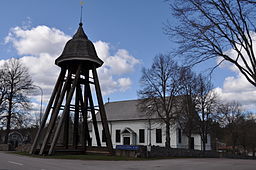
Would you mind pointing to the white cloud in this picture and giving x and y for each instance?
(38, 40)
(119, 63)
(38, 48)
(237, 87)
(125, 83)
(246, 98)
(115, 66)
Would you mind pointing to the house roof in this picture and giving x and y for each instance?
(123, 110)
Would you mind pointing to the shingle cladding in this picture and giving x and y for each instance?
(79, 49)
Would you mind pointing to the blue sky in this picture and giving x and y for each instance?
(131, 30)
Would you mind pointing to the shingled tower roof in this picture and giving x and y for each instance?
(79, 49)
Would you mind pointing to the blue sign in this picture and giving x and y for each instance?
(127, 147)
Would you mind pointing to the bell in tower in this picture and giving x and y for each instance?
(72, 97)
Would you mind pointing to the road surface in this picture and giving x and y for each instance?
(17, 162)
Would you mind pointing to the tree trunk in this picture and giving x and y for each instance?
(189, 143)
(204, 141)
(8, 125)
(203, 130)
(168, 139)
(189, 134)
(9, 116)
(234, 148)
(244, 150)
(234, 141)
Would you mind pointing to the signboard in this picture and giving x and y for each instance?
(128, 147)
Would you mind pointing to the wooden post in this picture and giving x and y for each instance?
(84, 107)
(55, 112)
(94, 120)
(76, 118)
(66, 123)
(70, 94)
(102, 110)
(85, 103)
(47, 111)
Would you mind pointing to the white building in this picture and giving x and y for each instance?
(129, 126)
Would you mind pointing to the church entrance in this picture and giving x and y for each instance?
(192, 143)
(128, 136)
(127, 141)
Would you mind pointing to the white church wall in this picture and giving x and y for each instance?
(136, 125)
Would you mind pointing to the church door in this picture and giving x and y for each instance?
(192, 143)
(127, 141)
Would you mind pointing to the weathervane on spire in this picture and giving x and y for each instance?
(81, 16)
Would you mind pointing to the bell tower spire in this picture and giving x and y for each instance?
(81, 12)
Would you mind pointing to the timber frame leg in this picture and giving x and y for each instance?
(56, 90)
(102, 111)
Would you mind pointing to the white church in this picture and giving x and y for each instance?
(129, 126)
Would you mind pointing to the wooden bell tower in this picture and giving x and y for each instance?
(72, 97)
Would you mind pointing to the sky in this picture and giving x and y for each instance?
(127, 36)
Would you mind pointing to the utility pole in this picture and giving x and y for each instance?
(41, 104)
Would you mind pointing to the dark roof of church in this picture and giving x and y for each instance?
(129, 110)
(123, 110)
(79, 49)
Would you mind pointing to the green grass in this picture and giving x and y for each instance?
(82, 157)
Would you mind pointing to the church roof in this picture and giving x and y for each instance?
(79, 49)
(123, 110)
(129, 110)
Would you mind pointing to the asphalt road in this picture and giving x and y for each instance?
(17, 162)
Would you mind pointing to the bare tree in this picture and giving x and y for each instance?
(212, 28)
(205, 104)
(199, 105)
(17, 83)
(3, 91)
(251, 136)
(159, 88)
(231, 116)
(244, 133)
(187, 118)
